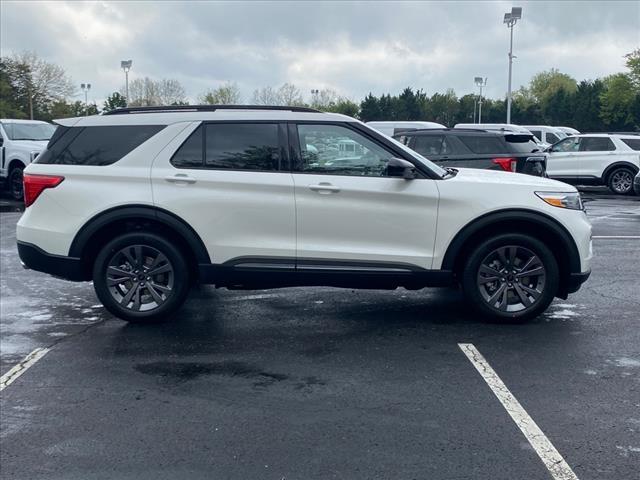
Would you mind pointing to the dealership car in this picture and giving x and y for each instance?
(20, 142)
(147, 201)
(394, 128)
(610, 159)
(546, 134)
(493, 150)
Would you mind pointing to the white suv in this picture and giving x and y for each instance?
(596, 159)
(145, 202)
(20, 142)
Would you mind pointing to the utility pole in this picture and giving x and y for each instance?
(510, 19)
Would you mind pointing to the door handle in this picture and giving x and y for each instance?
(324, 187)
(180, 178)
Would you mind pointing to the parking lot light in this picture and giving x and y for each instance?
(480, 82)
(126, 66)
(85, 87)
(510, 19)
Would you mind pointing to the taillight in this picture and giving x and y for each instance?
(507, 164)
(35, 184)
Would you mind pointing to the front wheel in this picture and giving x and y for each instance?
(16, 189)
(511, 277)
(141, 277)
(621, 181)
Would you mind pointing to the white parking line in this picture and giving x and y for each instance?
(17, 370)
(615, 237)
(552, 459)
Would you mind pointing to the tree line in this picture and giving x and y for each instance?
(31, 87)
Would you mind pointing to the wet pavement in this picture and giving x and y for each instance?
(305, 383)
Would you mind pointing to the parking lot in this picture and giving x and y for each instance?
(305, 383)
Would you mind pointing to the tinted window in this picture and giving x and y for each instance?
(336, 150)
(29, 131)
(428, 145)
(597, 144)
(537, 133)
(242, 146)
(483, 144)
(448, 147)
(571, 144)
(97, 145)
(633, 143)
(521, 144)
(552, 137)
(189, 155)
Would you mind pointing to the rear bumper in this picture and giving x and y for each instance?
(576, 280)
(34, 258)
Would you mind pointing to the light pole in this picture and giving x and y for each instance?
(126, 66)
(480, 82)
(510, 19)
(85, 88)
(315, 92)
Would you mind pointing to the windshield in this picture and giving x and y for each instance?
(29, 131)
(432, 166)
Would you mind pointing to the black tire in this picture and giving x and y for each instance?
(130, 289)
(620, 181)
(486, 263)
(14, 183)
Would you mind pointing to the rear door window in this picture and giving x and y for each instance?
(242, 146)
(483, 144)
(597, 144)
(428, 145)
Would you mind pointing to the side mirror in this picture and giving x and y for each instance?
(548, 149)
(397, 167)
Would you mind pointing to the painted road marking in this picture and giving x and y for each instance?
(552, 459)
(615, 237)
(17, 370)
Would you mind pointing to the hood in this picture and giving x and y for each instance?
(31, 145)
(509, 178)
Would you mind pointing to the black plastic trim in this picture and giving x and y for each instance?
(205, 108)
(34, 258)
(140, 211)
(576, 280)
(615, 165)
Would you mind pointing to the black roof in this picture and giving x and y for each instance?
(205, 108)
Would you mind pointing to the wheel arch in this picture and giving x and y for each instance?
(621, 164)
(15, 162)
(106, 225)
(536, 224)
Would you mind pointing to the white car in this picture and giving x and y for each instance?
(569, 131)
(596, 159)
(145, 202)
(546, 134)
(394, 128)
(20, 142)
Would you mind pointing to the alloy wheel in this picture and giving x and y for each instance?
(140, 278)
(621, 181)
(511, 278)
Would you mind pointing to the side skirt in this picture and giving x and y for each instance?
(251, 274)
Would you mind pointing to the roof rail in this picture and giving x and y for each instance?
(204, 108)
(623, 133)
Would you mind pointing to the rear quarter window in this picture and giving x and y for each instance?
(97, 146)
(632, 143)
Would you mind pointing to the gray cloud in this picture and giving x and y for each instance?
(353, 47)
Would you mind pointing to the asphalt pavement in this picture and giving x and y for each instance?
(306, 383)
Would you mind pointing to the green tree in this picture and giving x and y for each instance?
(113, 101)
(617, 100)
(226, 94)
(9, 102)
(586, 113)
(345, 107)
(633, 64)
(370, 108)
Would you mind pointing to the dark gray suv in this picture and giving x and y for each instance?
(478, 149)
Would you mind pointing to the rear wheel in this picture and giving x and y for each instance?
(16, 189)
(141, 277)
(621, 181)
(511, 277)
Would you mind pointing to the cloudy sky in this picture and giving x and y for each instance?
(353, 48)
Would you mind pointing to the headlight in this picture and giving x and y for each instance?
(571, 200)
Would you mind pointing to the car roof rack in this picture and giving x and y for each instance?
(205, 108)
(623, 133)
